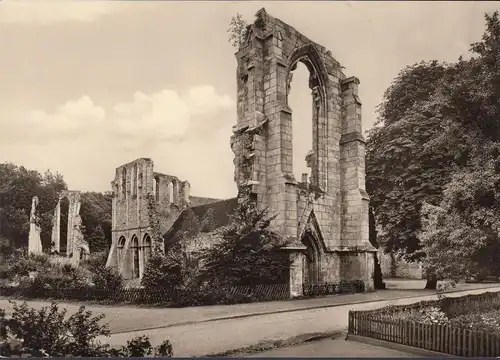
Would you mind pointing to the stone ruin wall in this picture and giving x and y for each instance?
(131, 217)
(77, 247)
(394, 266)
(262, 142)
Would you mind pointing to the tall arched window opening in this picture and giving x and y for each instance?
(146, 244)
(63, 229)
(300, 100)
(134, 248)
(119, 250)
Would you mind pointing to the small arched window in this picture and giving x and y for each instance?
(119, 250)
(146, 243)
(134, 248)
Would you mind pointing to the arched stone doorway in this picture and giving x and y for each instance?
(311, 260)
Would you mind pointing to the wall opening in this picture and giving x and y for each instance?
(134, 180)
(170, 189)
(146, 242)
(63, 229)
(156, 188)
(300, 100)
(134, 248)
(124, 182)
(311, 260)
(139, 182)
(119, 250)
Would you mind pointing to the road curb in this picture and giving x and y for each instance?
(278, 344)
(285, 311)
(397, 347)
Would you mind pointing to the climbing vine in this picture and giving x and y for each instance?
(154, 223)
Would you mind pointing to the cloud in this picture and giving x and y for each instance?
(142, 121)
(86, 141)
(166, 115)
(55, 11)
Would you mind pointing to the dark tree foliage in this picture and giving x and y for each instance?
(95, 212)
(18, 186)
(461, 234)
(437, 121)
(249, 252)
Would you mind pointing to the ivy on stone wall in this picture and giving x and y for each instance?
(154, 223)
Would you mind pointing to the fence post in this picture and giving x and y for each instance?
(349, 326)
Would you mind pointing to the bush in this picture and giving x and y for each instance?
(47, 332)
(107, 279)
(488, 322)
(164, 271)
(96, 260)
(20, 264)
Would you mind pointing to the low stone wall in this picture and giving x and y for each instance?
(393, 266)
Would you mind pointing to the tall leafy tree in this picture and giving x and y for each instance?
(461, 236)
(402, 170)
(438, 122)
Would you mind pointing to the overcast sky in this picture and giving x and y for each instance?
(88, 86)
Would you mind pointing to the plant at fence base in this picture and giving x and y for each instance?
(426, 315)
(164, 270)
(108, 279)
(248, 251)
(48, 332)
(102, 277)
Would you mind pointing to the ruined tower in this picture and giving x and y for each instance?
(145, 204)
(326, 215)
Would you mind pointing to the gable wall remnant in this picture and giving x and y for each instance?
(138, 194)
(262, 143)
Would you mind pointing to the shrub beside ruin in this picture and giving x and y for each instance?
(49, 332)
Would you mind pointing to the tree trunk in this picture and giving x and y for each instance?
(377, 276)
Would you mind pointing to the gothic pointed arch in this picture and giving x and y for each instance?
(312, 226)
(310, 57)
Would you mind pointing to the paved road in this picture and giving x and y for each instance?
(128, 318)
(334, 347)
(222, 335)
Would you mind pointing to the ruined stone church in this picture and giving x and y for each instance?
(324, 214)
